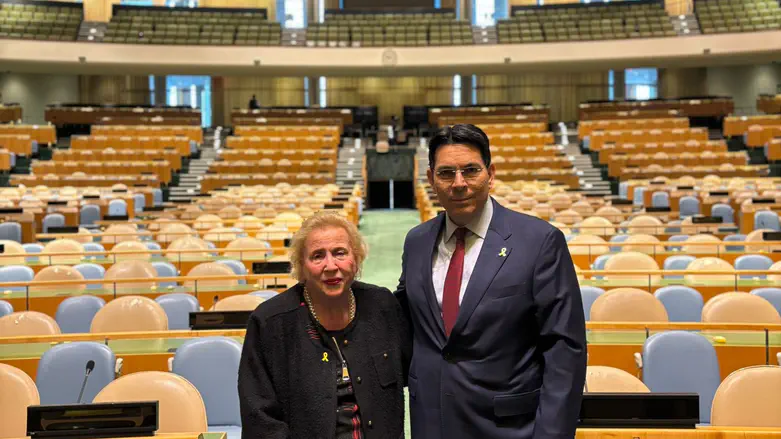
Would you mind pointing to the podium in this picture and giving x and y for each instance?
(391, 178)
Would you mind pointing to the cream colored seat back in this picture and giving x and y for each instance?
(612, 380)
(628, 305)
(737, 307)
(749, 397)
(130, 314)
(26, 323)
(18, 392)
(244, 302)
(182, 409)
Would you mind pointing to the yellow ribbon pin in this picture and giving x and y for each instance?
(325, 357)
(503, 252)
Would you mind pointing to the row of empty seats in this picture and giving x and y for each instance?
(40, 22)
(586, 22)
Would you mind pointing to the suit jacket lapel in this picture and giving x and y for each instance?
(492, 256)
(429, 249)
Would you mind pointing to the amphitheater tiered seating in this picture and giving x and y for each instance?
(370, 29)
(595, 21)
(49, 21)
(185, 26)
(721, 16)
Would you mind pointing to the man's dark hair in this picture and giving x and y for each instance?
(460, 134)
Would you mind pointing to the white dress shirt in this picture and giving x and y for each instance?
(446, 245)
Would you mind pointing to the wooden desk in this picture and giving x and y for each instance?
(769, 103)
(91, 115)
(10, 113)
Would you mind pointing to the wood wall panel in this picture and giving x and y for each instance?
(121, 90)
(560, 90)
(280, 91)
(390, 94)
(676, 83)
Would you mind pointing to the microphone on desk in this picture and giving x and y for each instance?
(90, 366)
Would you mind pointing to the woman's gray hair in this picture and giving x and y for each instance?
(323, 220)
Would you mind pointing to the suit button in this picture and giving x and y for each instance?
(448, 357)
(345, 342)
(358, 379)
(385, 355)
(370, 423)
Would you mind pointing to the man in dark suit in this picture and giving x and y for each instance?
(499, 332)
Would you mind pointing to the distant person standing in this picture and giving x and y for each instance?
(253, 103)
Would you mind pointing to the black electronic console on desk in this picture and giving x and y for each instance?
(105, 420)
(219, 320)
(639, 410)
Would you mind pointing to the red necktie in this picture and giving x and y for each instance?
(452, 289)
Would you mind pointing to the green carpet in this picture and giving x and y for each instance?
(384, 232)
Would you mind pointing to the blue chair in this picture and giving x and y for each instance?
(682, 362)
(678, 262)
(266, 294)
(724, 211)
(117, 208)
(623, 190)
(637, 195)
(89, 215)
(676, 227)
(75, 314)
(237, 267)
(683, 304)
(599, 263)
(618, 238)
(91, 272)
(94, 247)
(772, 295)
(32, 248)
(61, 371)
(11, 231)
(139, 202)
(178, 307)
(676, 238)
(766, 219)
(53, 220)
(211, 364)
(5, 308)
(735, 238)
(589, 295)
(151, 245)
(165, 269)
(689, 206)
(16, 273)
(660, 199)
(157, 197)
(753, 262)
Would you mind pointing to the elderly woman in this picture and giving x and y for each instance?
(328, 357)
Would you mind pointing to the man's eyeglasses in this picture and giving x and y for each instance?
(449, 174)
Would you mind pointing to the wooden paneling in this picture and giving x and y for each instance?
(390, 95)
(122, 90)
(270, 92)
(675, 83)
(561, 91)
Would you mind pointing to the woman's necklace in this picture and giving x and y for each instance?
(308, 300)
